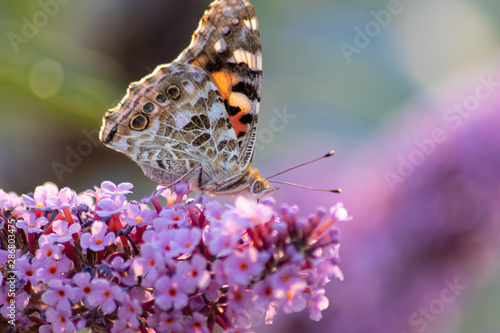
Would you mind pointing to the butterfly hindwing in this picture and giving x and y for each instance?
(182, 122)
(227, 46)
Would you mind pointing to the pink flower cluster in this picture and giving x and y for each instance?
(165, 264)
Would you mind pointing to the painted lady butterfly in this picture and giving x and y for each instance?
(195, 120)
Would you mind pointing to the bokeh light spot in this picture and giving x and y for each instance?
(46, 78)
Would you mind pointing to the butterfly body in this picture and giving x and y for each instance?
(195, 120)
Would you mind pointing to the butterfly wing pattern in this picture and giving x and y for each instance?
(227, 46)
(195, 120)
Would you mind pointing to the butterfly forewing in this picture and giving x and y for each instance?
(227, 45)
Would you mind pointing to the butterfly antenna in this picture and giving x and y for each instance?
(331, 153)
(306, 187)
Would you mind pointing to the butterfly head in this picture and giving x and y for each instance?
(258, 187)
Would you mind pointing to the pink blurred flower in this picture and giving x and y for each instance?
(194, 273)
(61, 232)
(31, 223)
(58, 294)
(54, 269)
(98, 239)
(240, 266)
(170, 293)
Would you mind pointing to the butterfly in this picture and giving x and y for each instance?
(194, 120)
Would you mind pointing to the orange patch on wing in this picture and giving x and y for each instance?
(225, 81)
(238, 126)
(241, 101)
(201, 61)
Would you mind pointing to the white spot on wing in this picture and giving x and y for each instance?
(220, 46)
(254, 61)
(248, 24)
(255, 25)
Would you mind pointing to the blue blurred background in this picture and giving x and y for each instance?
(372, 80)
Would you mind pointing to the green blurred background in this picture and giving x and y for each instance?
(58, 79)
(79, 63)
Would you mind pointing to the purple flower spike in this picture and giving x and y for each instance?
(164, 268)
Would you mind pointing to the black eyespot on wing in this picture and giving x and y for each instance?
(161, 98)
(139, 122)
(173, 91)
(148, 107)
(241, 134)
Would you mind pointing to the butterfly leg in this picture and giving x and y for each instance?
(200, 175)
(219, 186)
(186, 175)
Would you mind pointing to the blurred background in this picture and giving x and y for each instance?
(406, 92)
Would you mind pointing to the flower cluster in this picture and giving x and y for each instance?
(96, 260)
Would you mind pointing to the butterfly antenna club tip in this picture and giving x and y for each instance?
(330, 153)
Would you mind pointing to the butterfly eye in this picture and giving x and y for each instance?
(258, 186)
(161, 98)
(173, 91)
(139, 122)
(148, 107)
